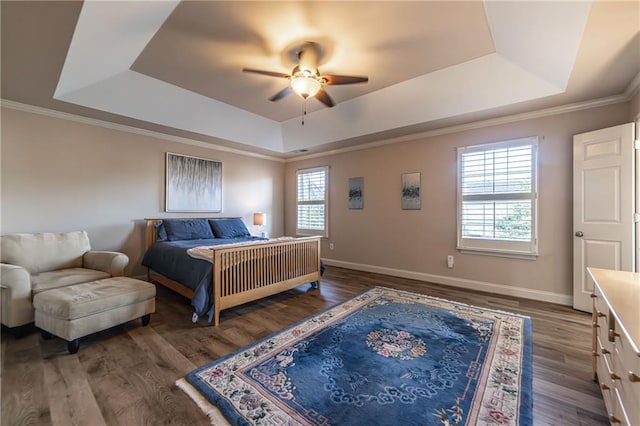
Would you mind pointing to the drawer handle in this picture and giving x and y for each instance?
(613, 335)
(614, 376)
(593, 295)
(595, 324)
(614, 419)
(595, 353)
(606, 351)
(604, 387)
(633, 377)
(601, 314)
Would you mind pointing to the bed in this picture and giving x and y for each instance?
(217, 264)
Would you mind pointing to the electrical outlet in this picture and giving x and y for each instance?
(450, 262)
(330, 246)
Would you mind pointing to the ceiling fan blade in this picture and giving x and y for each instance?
(324, 97)
(269, 73)
(281, 94)
(343, 79)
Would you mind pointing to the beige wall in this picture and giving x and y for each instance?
(416, 243)
(60, 175)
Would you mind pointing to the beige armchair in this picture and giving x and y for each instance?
(32, 263)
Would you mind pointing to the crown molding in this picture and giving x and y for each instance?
(5, 103)
(633, 87)
(546, 112)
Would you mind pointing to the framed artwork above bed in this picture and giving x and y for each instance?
(193, 184)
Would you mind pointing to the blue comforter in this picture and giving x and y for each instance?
(170, 259)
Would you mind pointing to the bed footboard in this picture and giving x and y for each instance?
(247, 273)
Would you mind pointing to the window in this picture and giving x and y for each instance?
(498, 198)
(312, 201)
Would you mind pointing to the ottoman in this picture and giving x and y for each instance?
(76, 311)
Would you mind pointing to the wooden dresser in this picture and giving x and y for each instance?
(616, 342)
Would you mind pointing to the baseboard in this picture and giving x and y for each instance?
(526, 293)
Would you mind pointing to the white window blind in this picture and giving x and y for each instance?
(312, 201)
(497, 197)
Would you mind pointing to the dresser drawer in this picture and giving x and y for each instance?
(604, 381)
(598, 301)
(602, 321)
(619, 413)
(629, 401)
(626, 366)
(603, 351)
(605, 368)
(616, 411)
(628, 356)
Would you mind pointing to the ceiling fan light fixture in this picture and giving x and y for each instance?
(305, 86)
(305, 79)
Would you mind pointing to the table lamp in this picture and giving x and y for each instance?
(259, 219)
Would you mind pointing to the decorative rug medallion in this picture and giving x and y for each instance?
(396, 344)
(385, 357)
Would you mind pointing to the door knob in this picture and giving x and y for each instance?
(579, 234)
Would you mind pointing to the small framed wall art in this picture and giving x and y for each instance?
(411, 195)
(356, 187)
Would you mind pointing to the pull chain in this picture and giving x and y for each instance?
(304, 110)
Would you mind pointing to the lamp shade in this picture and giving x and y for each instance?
(259, 218)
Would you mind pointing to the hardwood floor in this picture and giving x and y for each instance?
(126, 375)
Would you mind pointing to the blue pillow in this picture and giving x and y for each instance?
(161, 233)
(187, 229)
(229, 228)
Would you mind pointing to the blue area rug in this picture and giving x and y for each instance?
(385, 357)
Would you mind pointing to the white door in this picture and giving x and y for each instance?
(603, 206)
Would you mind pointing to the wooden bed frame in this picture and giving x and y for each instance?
(249, 272)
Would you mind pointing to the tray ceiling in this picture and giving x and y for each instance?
(177, 65)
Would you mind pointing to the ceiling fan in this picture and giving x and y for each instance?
(305, 79)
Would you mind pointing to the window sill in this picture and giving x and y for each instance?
(322, 236)
(500, 253)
